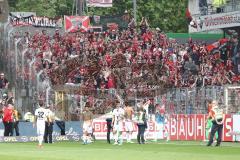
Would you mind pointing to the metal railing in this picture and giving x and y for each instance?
(176, 100)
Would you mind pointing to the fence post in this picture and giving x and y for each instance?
(30, 67)
(23, 63)
(16, 67)
(226, 98)
(38, 77)
(47, 95)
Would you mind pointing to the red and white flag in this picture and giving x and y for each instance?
(216, 45)
(99, 3)
(76, 23)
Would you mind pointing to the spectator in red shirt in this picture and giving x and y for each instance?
(8, 117)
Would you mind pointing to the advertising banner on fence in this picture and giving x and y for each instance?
(76, 23)
(153, 130)
(35, 138)
(175, 127)
(193, 127)
(99, 3)
(26, 129)
(215, 21)
(179, 127)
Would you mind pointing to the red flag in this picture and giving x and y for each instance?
(215, 45)
(188, 15)
(76, 23)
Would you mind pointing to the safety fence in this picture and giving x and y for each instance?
(72, 99)
(29, 81)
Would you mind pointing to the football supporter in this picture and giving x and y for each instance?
(3, 81)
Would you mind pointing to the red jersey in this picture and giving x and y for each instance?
(7, 114)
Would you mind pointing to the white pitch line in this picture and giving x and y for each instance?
(200, 144)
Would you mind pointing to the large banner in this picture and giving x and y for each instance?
(76, 23)
(215, 21)
(99, 3)
(29, 19)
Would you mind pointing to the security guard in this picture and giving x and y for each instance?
(109, 124)
(217, 116)
(49, 126)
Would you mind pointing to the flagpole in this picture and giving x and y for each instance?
(135, 10)
(80, 7)
(73, 5)
(76, 1)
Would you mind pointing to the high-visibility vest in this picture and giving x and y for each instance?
(218, 113)
(218, 3)
(140, 118)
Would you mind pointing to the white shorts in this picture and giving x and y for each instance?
(129, 125)
(87, 127)
(118, 126)
(40, 129)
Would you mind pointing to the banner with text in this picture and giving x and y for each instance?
(32, 20)
(153, 131)
(192, 127)
(176, 127)
(215, 21)
(99, 3)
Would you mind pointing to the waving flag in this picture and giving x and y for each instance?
(76, 23)
(216, 45)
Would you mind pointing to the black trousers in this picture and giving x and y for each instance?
(216, 128)
(8, 128)
(140, 135)
(16, 128)
(61, 125)
(109, 128)
(48, 132)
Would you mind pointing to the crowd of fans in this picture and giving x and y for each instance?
(132, 58)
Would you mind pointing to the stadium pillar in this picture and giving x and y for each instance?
(135, 10)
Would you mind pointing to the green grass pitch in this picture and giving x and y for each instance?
(100, 150)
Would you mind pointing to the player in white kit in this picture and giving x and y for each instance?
(117, 123)
(40, 118)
